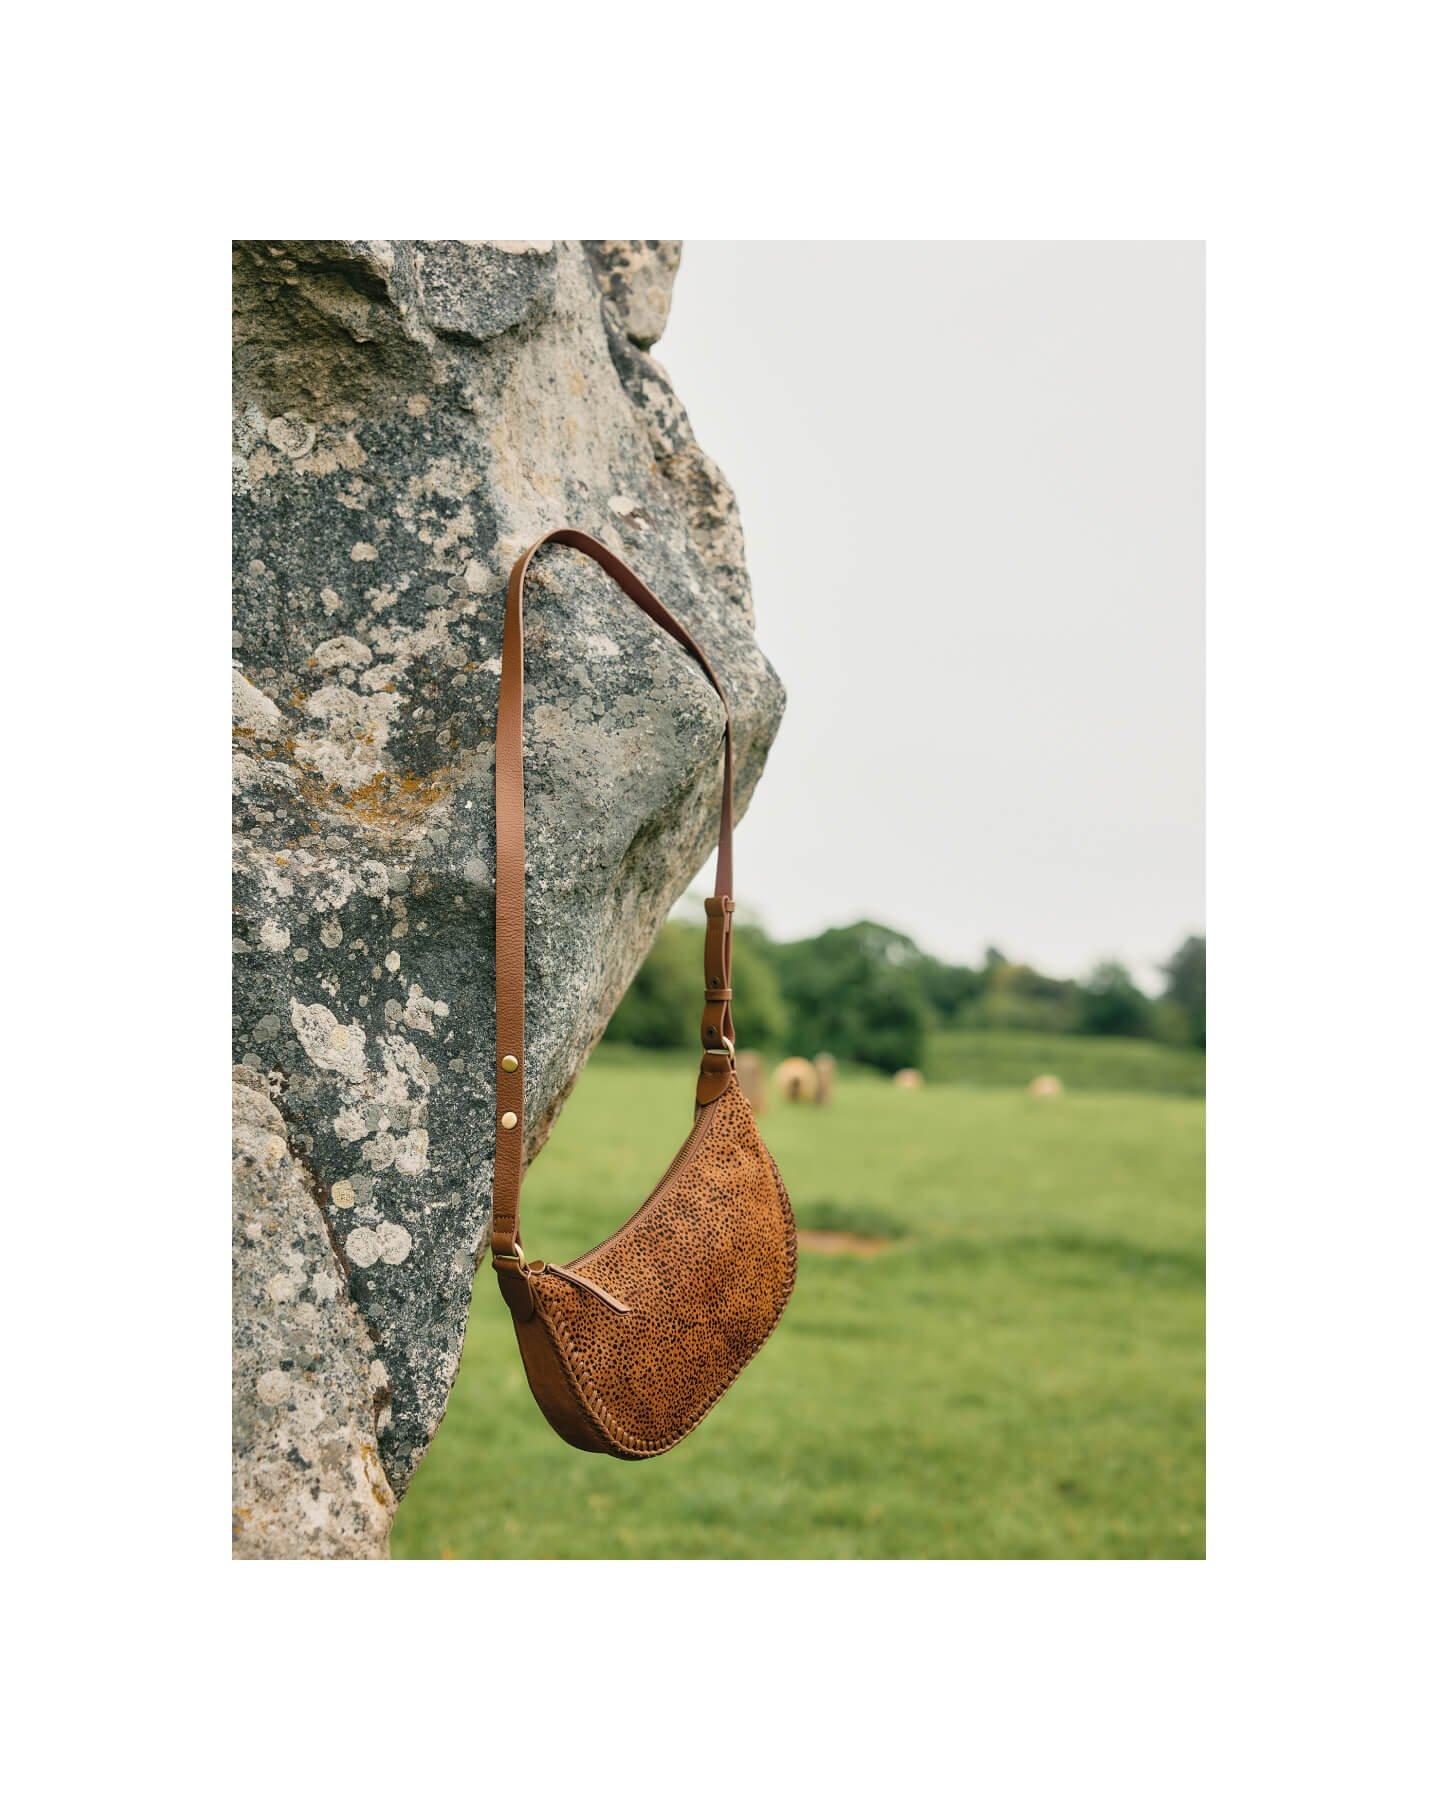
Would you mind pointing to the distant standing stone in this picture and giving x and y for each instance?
(824, 1078)
(795, 1078)
(750, 1067)
(1046, 1087)
(909, 1078)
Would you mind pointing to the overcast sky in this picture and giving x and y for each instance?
(971, 478)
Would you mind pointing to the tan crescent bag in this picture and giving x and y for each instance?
(629, 1346)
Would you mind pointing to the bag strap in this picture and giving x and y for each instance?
(717, 1032)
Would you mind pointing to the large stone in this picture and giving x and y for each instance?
(409, 415)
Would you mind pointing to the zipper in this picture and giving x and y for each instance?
(583, 1281)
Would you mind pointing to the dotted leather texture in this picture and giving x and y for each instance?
(707, 1266)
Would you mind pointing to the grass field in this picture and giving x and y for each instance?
(1089, 1064)
(1019, 1374)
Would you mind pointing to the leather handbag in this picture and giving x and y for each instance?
(627, 1347)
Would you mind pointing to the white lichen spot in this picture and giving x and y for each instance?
(331, 936)
(412, 1152)
(394, 1241)
(380, 1151)
(328, 1043)
(252, 710)
(273, 1386)
(478, 578)
(392, 961)
(421, 1012)
(417, 406)
(349, 1125)
(623, 504)
(325, 1286)
(274, 935)
(330, 600)
(363, 1247)
(283, 1287)
(356, 730)
(342, 1194)
(460, 525)
(363, 552)
(342, 653)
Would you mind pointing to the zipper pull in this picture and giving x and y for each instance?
(583, 1282)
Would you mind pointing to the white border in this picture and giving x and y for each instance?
(1292, 140)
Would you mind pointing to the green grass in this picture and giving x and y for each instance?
(1019, 1375)
(1089, 1064)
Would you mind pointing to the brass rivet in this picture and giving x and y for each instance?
(508, 1121)
(510, 1064)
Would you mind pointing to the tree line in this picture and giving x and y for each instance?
(869, 994)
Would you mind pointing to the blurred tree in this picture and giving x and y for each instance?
(654, 1011)
(857, 992)
(868, 994)
(761, 1016)
(1185, 986)
(1019, 998)
(1112, 1006)
(661, 1008)
(950, 990)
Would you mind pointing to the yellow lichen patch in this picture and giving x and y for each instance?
(375, 1475)
(391, 801)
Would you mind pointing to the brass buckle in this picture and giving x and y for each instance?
(515, 1257)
